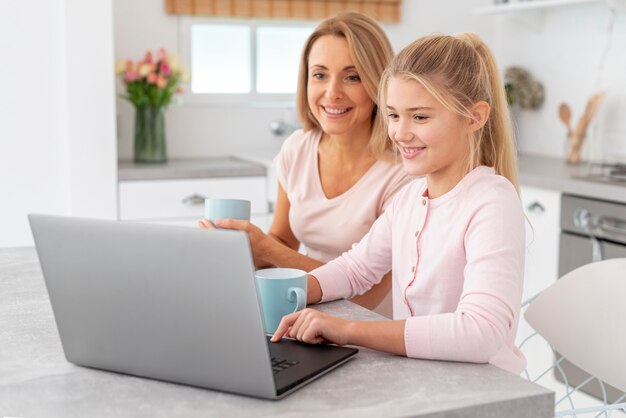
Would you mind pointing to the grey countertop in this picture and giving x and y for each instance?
(37, 381)
(190, 168)
(554, 174)
(538, 171)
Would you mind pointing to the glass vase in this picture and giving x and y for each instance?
(150, 135)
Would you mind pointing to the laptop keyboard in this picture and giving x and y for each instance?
(278, 365)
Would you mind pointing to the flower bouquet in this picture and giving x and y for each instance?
(150, 87)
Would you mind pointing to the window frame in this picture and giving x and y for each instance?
(253, 99)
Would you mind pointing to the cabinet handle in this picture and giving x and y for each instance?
(535, 207)
(194, 200)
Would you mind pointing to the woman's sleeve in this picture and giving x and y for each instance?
(489, 306)
(361, 267)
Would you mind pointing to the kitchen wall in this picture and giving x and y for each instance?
(563, 48)
(195, 130)
(57, 139)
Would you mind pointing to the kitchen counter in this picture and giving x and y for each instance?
(36, 380)
(178, 168)
(537, 171)
(553, 173)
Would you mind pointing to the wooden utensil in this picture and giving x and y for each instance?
(565, 114)
(576, 137)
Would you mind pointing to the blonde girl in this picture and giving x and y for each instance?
(454, 239)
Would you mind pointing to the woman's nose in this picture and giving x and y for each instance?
(334, 89)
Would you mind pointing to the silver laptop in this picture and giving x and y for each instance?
(170, 303)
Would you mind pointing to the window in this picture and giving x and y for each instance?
(242, 62)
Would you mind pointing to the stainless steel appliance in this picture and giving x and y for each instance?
(591, 230)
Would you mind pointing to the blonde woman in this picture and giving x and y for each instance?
(455, 239)
(335, 175)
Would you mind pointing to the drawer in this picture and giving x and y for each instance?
(164, 199)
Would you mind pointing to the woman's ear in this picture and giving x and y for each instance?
(480, 114)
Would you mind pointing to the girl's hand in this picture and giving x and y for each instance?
(260, 242)
(313, 327)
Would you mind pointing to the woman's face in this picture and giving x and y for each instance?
(336, 96)
(433, 141)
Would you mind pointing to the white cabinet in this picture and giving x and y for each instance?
(181, 201)
(542, 208)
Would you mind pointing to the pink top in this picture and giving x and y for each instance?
(328, 227)
(458, 266)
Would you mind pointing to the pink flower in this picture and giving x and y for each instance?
(152, 78)
(130, 76)
(161, 55)
(165, 69)
(148, 58)
(161, 82)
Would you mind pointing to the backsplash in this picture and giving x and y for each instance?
(563, 47)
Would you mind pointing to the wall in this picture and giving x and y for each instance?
(194, 130)
(57, 144)
(562, 47)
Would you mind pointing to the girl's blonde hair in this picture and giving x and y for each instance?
(459, 70)
(371, 52)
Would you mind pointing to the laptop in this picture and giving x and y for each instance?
(171, 303)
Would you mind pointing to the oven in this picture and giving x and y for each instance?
(591, 230)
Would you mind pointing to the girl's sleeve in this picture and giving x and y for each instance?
(361, 267)
(487, 313)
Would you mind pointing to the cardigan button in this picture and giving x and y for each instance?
(423, 202)
(417, 233)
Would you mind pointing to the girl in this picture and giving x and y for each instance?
(334, 181)
(455, 239)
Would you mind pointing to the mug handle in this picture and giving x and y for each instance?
(299, 295)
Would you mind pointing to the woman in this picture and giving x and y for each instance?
(455, 239)
(333, 183)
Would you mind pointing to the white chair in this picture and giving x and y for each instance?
(582, 318)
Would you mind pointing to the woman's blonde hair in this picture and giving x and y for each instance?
(371, 52)
(459, 70)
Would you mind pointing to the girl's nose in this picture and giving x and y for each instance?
(401, 133)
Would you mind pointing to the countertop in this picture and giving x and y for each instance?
(554, 174)
(37, 381)
(178, 168)
(537, 171)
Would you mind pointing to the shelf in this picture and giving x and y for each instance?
(520, 6)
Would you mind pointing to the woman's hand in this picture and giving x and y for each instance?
(260, 242)
(313, 327)
(206, 224)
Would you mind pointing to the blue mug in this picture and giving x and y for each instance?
(281, 291)
(218, 208)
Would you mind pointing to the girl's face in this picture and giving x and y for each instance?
(336, 96)
(433, 141)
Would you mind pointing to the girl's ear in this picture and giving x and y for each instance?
(480, 114)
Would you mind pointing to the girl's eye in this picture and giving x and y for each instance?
(420, 117)
(392, 116)
(354, 78)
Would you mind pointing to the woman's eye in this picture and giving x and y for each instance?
(392, 116)
(420, 117)
(354, 78)
(317, 76)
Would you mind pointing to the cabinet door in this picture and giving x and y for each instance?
(542, 208)
(168, 200)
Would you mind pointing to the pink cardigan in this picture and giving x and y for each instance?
(458, 268)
